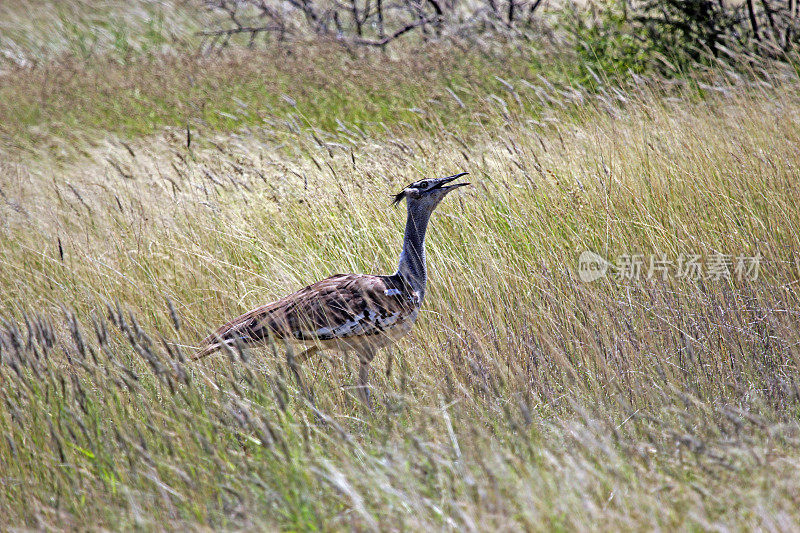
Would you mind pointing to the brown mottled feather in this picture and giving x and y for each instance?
(334, 309)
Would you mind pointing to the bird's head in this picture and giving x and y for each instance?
(426, 194)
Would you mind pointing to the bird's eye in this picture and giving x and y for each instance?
(423, 185)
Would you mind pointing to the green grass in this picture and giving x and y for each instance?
(226, 93)
(54, 110)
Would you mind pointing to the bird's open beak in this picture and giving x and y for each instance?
(442, 182)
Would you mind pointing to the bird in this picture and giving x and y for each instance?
(349, 312)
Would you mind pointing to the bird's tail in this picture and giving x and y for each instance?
(207, 348)
(241, 330)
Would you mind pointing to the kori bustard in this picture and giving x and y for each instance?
(357, 312)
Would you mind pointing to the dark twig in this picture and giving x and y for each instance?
(389, 38)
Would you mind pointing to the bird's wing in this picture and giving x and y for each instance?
(339, 307)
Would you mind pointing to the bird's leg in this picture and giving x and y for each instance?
(363, 384)
(365, 357)
(294, 364)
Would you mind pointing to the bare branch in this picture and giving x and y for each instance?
(389, 38)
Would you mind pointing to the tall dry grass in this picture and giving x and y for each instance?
(524, 398)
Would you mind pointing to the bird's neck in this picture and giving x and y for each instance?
(412, 258)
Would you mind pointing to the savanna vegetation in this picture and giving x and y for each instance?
(153, 186)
